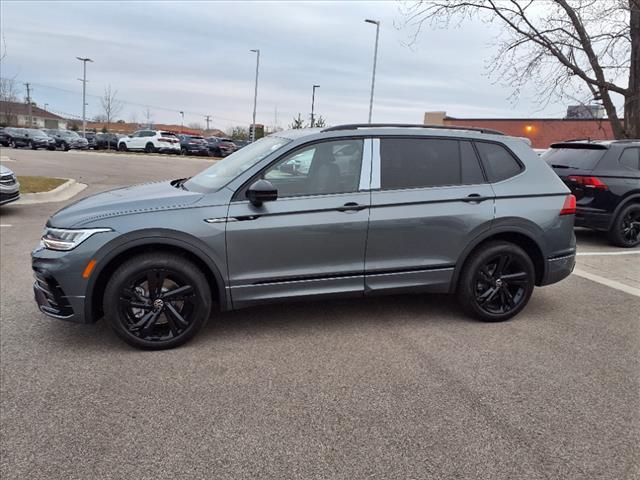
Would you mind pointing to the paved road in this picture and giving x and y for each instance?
(396, 387)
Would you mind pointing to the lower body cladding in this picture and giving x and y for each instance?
(60, 294)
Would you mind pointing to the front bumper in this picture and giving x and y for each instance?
(8, 197)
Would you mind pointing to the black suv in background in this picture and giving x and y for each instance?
(604, 176)
(221, 147)
(106, 141)
(193, 145)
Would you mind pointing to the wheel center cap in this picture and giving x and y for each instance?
(499, 282)
(158, 304)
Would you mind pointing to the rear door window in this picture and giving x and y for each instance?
(630, 158)
(499, 163)
(427, 162)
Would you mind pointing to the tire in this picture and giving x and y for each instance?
(149, 148)
(122, 147)
(496, 282)
(65, 146)
(32, 145)
(138, 308)
(12, 144)
(183, 151)
(625, 231)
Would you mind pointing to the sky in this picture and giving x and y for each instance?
(195, 57)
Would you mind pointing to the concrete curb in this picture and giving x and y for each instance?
(61, 193)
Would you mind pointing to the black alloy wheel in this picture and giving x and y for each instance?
(157, 301)
(626, 228)
(496, 282)
(149, 148)
(32, 145)
(12, 144)
(122, 147)
(65, 146)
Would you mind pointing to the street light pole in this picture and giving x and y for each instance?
(181, 121)
(255, 96)
(375, 59)
(84, 94)
(313, 101)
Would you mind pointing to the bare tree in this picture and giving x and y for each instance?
(238, 133)
(320, 122)
(297, 123)
(9, 90)
(111, 106)
(566, 48)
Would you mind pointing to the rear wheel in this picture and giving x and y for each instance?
(157, 301)
(32, 145)
(65, 146)
(149, 148)
(496, 282)
(183, 151)
(122, 147)
(625, 231)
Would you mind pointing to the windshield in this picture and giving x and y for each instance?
(582, 158)
(222, 172)
(37, 133)
(67, 133)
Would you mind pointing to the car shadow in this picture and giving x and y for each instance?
(587, 238)
(326, 315)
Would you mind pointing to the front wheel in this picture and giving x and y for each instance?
(149, 148)
(625, 231)
(32, 145)
(122, 147)
(157, 301)
(65, 146)
(496, 282)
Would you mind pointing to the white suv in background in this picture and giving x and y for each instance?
(150, 141)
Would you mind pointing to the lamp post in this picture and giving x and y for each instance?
(255, 95)
(84, 93)
(313, 101)
(375, 59)
(181, 121)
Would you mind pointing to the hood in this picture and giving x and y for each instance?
(5, 171)
(148, 197)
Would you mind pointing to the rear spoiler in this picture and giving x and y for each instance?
(579, 145)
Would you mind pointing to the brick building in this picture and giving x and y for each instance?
(541, 131)
(16, 114)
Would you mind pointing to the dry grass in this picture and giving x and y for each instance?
(38, 184)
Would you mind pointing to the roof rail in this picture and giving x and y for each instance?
(356, 126)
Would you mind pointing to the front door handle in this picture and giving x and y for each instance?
(474, 198)
(351, 207)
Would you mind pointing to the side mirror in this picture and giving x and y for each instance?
(262, 191)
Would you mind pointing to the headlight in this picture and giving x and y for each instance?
(63, 239)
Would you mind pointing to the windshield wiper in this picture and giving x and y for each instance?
(179, 183)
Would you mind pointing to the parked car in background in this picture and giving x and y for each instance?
(221, 147)
(241, 143)
(107, 141)
(91, 139)
(9, 186)
(375, 209)
(193, 145)
(4, 138)
(67, 139)
(604, 176)
(150, 141)
(39, 139)
(16, 136)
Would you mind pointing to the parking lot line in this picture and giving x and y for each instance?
(5, 225)
(595, 254)
(609, 283)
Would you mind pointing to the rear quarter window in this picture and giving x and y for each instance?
(499, 163)
(630, 158)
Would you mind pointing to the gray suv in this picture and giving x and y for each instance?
(353, 210)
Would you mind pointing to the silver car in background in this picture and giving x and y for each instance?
(352, 210)
(9, 186)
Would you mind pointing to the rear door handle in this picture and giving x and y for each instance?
(351, 207)
(474, 198)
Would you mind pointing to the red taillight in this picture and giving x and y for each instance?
(569, 207)
(588, 182)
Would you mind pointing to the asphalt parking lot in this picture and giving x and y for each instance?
(392, 387)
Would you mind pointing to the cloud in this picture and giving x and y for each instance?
(194, 57)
